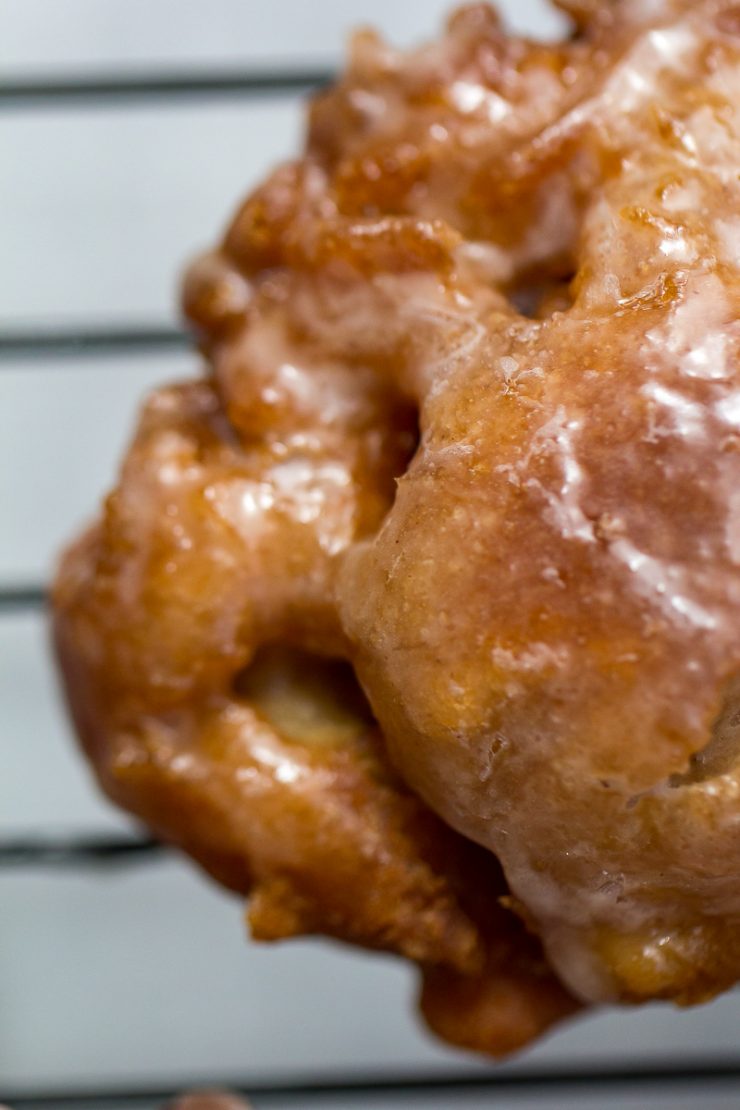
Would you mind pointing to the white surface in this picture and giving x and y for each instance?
(64, 423)
(100, 208)
(145, 975)
(44, 785)
(148, 975)
(38, 35)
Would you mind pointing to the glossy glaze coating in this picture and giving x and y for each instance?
(548, 622)
(534, 250)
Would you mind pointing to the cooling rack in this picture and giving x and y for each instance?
(698, 1081)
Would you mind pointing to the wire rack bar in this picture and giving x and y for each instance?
(103, 340)
(700, 1073)
(75, 851)
(59, 91)
(21, 598)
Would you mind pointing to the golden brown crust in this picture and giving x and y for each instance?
(202, 663)
(208, 1100)
(593, 472)
(534, 250)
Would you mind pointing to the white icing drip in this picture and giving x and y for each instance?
(469, 96)
(677, 248)
(272, 761)
(694, 334)
(566, 508)
(372, 105)
(493, 263)
(733, 526)
(728, 409)
(636, 79)
(682, 198)
(728, 235)
(668, 583)
(689, 417)
(535, 657)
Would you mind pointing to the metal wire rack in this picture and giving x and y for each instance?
(696, 1079)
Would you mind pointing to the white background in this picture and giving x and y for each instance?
(146, 976)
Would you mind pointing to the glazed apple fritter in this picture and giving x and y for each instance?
(415, 618)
